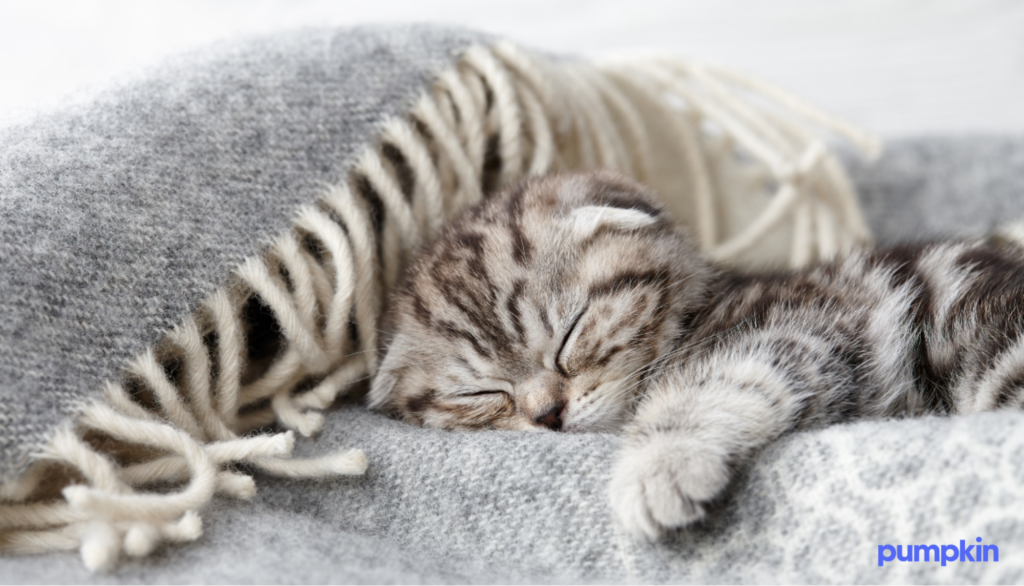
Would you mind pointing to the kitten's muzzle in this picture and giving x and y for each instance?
(552, 418)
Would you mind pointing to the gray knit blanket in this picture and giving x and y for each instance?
(121, 213)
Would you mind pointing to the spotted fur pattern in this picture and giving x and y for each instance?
(573, 303)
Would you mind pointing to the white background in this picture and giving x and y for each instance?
(893, 66)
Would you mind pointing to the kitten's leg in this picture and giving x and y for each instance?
(700, 420)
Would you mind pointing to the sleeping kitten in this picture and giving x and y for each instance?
(574, 303)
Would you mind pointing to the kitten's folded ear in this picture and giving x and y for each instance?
(587, 220)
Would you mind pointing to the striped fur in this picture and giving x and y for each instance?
(574, 303)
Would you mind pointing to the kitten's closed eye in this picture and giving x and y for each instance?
(493, 393)
(570, 334)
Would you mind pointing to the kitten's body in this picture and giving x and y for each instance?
(573, 303)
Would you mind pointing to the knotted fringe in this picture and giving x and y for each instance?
(296, 328)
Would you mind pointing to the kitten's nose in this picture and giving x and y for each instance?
(552, 419)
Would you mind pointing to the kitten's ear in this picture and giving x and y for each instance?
(587, 220)
(388, 373)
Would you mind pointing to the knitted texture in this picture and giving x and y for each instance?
(495, 507)
(121, 214)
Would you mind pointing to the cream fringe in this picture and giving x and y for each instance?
(182, 415)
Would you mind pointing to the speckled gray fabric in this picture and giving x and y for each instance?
(227, 131)
(512, 507)
(934, 187)
(121, 213)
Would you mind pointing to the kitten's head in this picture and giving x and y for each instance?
(539, 309)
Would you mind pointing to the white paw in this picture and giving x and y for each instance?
(663, 485)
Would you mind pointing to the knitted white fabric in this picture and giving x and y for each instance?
(713, 143)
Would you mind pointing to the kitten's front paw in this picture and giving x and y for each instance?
(664, 484)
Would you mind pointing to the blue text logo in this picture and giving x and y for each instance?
(939, 553)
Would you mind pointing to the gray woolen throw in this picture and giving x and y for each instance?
(119, 215)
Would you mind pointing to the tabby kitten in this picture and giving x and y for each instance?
(574, 303)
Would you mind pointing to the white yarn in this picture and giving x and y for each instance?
(170, 401)
(453, 151)
(673, 124)
(141, 539)
(100, 545)
(507, 110)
